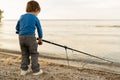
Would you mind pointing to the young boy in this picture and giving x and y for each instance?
(25, 27)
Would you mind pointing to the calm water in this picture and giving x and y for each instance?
(100, 38)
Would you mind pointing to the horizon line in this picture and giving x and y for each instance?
(74, 19)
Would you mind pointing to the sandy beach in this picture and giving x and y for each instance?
(10, 70)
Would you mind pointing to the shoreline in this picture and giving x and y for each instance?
(83, 63)
(10, 70)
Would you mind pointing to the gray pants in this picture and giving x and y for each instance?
(28, 47)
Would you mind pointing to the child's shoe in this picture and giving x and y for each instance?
(38, 73)
(23, 72)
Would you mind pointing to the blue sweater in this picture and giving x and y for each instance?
(27, 25)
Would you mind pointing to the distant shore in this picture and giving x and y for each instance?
(69, 19)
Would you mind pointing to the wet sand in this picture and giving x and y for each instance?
(10, 70)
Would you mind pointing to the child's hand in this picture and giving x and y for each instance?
(40, 41)
(17, 32)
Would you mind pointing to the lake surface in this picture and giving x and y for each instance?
(96, 37)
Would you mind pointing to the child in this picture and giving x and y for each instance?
(25, 27)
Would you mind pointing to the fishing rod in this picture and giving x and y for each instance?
(75, 50)
(63, 46)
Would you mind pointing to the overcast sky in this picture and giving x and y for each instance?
(65, 9)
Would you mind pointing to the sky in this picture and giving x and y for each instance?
(65, 9)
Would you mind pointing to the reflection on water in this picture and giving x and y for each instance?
(100, 38)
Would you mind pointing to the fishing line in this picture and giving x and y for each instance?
(67, 57)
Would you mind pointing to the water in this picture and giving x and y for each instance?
(100, 38)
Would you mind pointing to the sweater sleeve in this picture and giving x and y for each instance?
(39, 29)
(18, 26)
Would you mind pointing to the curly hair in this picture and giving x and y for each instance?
(33, 6)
